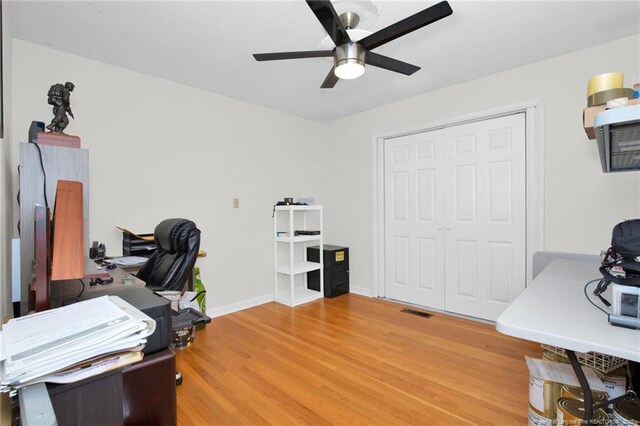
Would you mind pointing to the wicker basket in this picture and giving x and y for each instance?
(601, 362)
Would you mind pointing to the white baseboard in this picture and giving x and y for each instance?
(362, 291)
(239, 306)
(266, 298)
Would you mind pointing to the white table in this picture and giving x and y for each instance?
(554, 310)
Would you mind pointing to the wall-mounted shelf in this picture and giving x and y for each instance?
(618, 137)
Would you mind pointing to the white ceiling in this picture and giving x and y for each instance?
(208, 44)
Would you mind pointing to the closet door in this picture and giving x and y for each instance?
(414, 211)
(485, 215)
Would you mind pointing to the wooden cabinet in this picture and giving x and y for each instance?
(143, 393)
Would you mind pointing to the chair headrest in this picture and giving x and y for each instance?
(171, 235)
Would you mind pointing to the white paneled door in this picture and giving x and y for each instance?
(455, 217)
(414, 207)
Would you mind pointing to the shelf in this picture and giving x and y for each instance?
(298, 268)
(290, 260)
(299, 239)
(301, 208)
(618, 136)
(300, 295)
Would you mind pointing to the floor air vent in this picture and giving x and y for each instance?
(418, 313)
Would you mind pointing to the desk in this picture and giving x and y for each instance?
(554, 310)
(62, 291)
(141, 393)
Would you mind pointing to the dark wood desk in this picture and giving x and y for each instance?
(62, 291)
(143, 393)
(149, 390)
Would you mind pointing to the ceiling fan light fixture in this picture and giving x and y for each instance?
(349, 69)
(349, 61)
(353, 50)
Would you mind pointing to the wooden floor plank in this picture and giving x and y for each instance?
(351, 360)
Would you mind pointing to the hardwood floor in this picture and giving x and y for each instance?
(351, 360)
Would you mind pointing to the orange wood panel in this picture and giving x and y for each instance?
(68, 246)
(58, 139)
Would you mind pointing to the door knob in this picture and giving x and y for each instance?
(448, 228)
(439, 228)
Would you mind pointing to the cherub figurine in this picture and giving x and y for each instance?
(59, 96)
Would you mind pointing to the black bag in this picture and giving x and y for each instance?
(625, 238)
(625, 247)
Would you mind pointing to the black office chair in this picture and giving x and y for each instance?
(171, 265)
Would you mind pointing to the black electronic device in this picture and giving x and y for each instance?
(629, 305)
(305, 232)
(621, 269)
(101, 281)
(154, 306)
(289, 202)
(335, 269)
(624, 250)
(35, 128)
(619, 264)
(97, 251)
(157, 308)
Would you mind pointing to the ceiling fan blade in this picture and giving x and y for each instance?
(330, 80)
(293, 55)
(407, 25)
(329, 19)
(390, 64)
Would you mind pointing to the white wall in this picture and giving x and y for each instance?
(159, 149)
(581, 203)
(6, 176)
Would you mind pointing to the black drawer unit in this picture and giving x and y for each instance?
(336, 270)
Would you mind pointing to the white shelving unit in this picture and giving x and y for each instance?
(290, 253)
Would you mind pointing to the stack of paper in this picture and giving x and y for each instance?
(73, 342)
(128, 261)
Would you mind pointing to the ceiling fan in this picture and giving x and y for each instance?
(349, 57)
